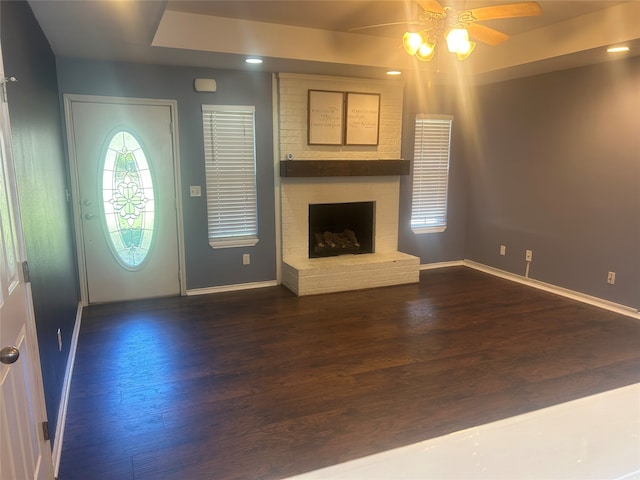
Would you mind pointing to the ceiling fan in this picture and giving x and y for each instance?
(437, 23)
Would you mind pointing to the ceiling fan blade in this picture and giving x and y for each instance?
(485, 34)
(431, 6)
(511, 10)
(383, 25)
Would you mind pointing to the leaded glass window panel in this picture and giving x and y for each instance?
(128, 200)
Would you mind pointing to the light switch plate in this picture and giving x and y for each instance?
(195, 191)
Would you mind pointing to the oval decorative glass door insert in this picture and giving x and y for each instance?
(128, 200)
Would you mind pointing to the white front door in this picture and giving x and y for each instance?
(122, 158)
(24, 453)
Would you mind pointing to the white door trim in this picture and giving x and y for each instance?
(69, 99)
(34, 387)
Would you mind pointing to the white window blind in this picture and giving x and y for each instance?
(430, 173)
(230, 164)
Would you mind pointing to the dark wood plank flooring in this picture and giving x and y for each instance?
(262, 384)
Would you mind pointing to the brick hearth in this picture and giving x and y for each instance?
(308, 276)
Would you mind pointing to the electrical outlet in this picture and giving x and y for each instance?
(528, 255)
(611, 278)
(246, 259)
(195, 191)
(503, 250)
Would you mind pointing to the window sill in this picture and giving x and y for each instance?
(419, 230)
(233, 242)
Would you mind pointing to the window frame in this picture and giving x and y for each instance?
(430, 169)
(243, 231)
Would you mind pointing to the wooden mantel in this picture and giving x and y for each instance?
(343, 168)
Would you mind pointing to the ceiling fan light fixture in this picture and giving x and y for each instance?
(458, 43)
(446, 23)
(411, 41)
(462, 55)
(458, 40)
(426, 51)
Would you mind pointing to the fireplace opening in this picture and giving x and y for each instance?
(341, 228)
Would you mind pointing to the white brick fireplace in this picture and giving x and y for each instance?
(386, 266)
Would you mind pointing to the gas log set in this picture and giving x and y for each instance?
(341, 228)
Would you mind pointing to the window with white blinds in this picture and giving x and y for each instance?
(230, 164)
(430, 173)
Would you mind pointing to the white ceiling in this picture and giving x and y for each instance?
(316, 36)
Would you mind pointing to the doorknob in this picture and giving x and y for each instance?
(89, 216)
(86, 203)
(9, 355)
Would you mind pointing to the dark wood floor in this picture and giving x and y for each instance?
(262, 384)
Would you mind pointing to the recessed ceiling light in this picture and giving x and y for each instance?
(394, 72)
(617, 49)
(253, 60)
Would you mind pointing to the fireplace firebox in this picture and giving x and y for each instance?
(341, 228)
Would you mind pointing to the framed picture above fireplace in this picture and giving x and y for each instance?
(326, 117)
(363, 118)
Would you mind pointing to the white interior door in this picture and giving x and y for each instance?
(122, 155)
(24, 453)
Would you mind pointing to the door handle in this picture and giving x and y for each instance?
(9, 355)
(89, 216)
(86, 203)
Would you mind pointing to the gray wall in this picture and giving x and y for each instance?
(556, 169)
(421, 97)
(205, 267)
(42, 181)
(546, 163)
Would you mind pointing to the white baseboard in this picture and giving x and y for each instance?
(231, 288)
(56, 450)
(547, 287)
(431, 266)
